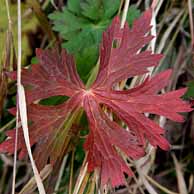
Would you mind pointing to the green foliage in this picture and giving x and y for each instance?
(2, 137)
(133, 13)
(53, 100)
(81, 24)
(34, 60)
(190, 91)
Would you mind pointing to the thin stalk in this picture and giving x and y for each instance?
(8, 12)
(171, 41)
(153, 33)
(21, 108)
(124, 16)
(15, 152)
(61, 173)
(120, 7)
(84, 183)
(93, 74)
(31, 185)
(191, 21)
(71, 172)
(7, 125)
(82, 174)
(91, 189)
(138, 185)
(159, 186)
(17, 113)
(168, 31)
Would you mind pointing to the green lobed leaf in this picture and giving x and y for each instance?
(81, 24)
(74, 6)
(92, 9)
(133, 13)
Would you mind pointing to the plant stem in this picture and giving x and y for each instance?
(159, 186)
(7, 125)
(61, 173)
(71, 172)
(191, 21)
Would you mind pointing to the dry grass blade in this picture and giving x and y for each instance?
(168, 32)
(3, 90)
(191, 21)
(61, 172)
(7, 125)
(91, 188)
(3, 86)
(162, 188)
(15, 152)
(124, 16)
(149, 187)
(158, 6)
(71, 171)
(142, 171)
(180, 178)
(31, 185)
(6, 61)
(172, 40)
(84, 183)
(24, 122)
(191, 183)
(23, 112)
(82, 174)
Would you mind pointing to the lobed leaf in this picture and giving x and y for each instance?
(121, 57)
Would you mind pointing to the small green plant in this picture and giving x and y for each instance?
(81, 24)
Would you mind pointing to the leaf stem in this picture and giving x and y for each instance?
(93, 74)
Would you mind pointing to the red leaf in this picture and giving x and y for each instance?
(123, 62)
(46, 131)
(56, 75)
(104, 136)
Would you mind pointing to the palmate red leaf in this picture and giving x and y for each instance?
(120, 58)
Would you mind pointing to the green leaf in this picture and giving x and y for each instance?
(34, 60)
(110, 7)
(133, 13)
(53, 100)
(190, 91)
(74, 6)
(92, 9)
(81, 24)
(85, 61)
